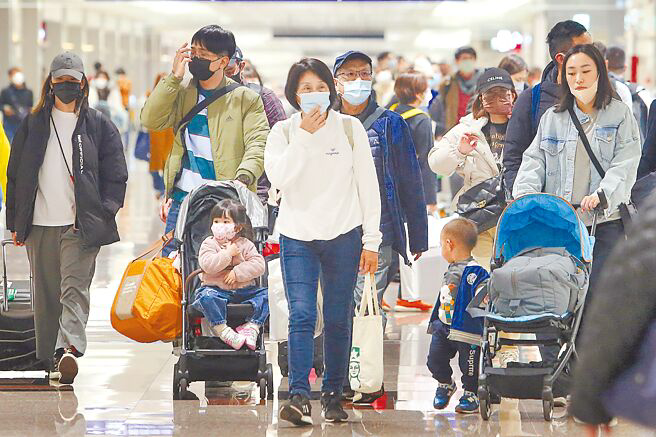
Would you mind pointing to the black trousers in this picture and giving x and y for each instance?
(442, 350)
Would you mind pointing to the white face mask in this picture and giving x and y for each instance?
(101, 83)
(519, 85)
(586, 95)
(18, 78)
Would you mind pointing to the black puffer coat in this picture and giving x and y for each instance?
(99, 171)
(618, 316)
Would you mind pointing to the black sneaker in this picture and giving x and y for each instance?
(297, 411)
(331, 405)
(368, 398)
(68, 366)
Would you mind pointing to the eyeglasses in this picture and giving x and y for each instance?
(353, 75)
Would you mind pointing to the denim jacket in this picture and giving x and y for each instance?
(548, 163)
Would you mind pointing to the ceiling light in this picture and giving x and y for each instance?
(443, 39)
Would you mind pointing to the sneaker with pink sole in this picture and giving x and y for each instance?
(251, 333)
(232, 338)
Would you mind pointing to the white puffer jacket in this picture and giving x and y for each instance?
(445, 159)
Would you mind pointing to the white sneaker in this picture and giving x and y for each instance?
(231, 338)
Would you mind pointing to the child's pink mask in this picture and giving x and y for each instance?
(224, 232)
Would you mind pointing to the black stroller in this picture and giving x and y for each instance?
(206, 358)
(533, 221)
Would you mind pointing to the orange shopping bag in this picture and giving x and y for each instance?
(147, 305)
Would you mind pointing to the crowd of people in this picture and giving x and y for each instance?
(353, 170)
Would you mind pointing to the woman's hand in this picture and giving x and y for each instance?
(368, 262)
(313, 121)
(16, 242)
(231, 278)
(468, 143)
(164, 209)
(589, 203)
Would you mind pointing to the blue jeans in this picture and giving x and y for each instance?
(442, 350)
(301, 262)
(213, 303)
(171, 220)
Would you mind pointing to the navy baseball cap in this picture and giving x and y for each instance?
(351, 54)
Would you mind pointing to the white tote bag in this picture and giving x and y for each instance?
(279, 309)
(366, 362)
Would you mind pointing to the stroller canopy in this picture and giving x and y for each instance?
(541, 220)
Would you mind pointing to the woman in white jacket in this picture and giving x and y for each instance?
(329, 220)
(474, 148)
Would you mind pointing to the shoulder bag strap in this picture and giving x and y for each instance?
(205, 103)
(411, 113)
(586, 143)
(373, 117)
(61, 149)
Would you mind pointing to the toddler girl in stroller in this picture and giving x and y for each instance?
(231, 263)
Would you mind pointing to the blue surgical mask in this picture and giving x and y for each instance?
(357, 92)
(310, 100)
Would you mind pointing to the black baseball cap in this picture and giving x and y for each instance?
(493, 77)
(351, 54)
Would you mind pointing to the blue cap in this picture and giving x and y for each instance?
(347, 57)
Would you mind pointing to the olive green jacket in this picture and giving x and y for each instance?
(237, 123)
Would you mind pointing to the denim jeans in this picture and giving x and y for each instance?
(213, 303)
(385, 255)
(301, 262)
(442, 350)
(171, 220)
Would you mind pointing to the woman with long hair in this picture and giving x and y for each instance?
(66, 181)
(557, 162)
(474, 148)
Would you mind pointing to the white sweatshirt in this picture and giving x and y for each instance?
(327, 187)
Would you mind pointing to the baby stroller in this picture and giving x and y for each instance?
(206, 358)
(531, 222)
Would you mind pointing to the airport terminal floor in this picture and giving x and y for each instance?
(125, 388)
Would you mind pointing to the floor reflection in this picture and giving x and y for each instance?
(125, 388)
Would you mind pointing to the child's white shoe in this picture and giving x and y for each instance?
(250, 332)
(231, 338)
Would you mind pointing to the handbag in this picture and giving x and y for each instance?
(628, 211)
(484, 202)
(366, 361)
(633, 394)
(147, 306)
(142, 147)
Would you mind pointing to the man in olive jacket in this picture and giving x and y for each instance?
(225, 141)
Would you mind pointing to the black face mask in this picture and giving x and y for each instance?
(236, 77)
(67, 91)
(200, 68)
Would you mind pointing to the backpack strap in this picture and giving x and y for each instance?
(348, 129)
(412, 112)
(373, 117)
(535, 106)
(205, 103)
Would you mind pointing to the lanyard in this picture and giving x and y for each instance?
(70, 174)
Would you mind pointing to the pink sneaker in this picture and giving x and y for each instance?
(251, 334)
(232, 339)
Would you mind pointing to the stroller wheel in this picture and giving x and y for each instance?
(547, 404)
(263, 389)
(485, 407)
(269, 375)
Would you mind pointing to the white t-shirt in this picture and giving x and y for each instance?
(55, 197)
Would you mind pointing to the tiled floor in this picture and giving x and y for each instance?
(124, 388)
